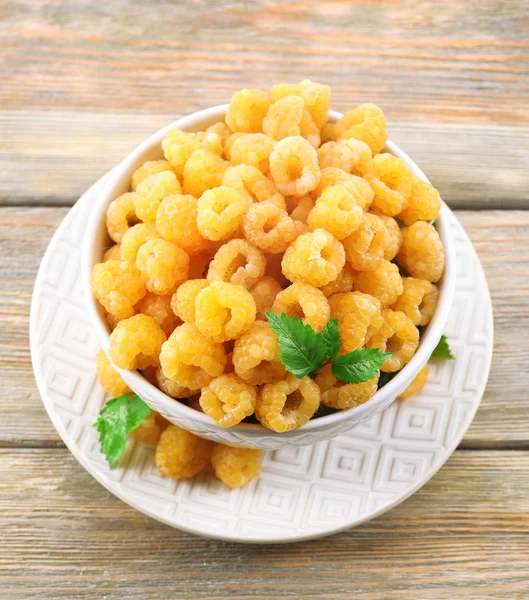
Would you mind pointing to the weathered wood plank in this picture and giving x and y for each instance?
(52, 157)
(464, 535)
(502, 241)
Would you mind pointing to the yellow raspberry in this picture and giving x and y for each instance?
(340, 395)
(163, 266)
(299, 207)
(238, 262)
(337, 211)
(112, 253)
(135, 343)
(390, 179)
(230, 140)
(315, 258)
(424, 203)
(305, 302)
(294, 166)
(150, 429)
(421, 252)
(359, 317)
(182, 455)
(109, 378)
(170, 387)
(203, 171)
(121, 215)
(150, 193)
(287, 404)
(252, 149)
(178, 146)
(288, 117)
(220, 212)
(316, 96)
(228, 400)
(416, 385)
(269, 227)
(343, 283)
(149, 168)
(366, 123)
(134, 238)
(418, 300)
(190, 358)
(250, 182)
(350, 155)
(183, 300)
(367, 245)
(118, 285)
(358, 187)
(247, 110)
(256, 355)
(398, 335)
(395, 236)
(223, 311)
(209, 140)
(264, 293)
(159, 308)
(384, 282)
(236, 467)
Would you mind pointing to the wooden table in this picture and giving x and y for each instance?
(81, 83)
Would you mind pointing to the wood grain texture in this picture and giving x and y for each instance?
(501, 239)
(463, 535)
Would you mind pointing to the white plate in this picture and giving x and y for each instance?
(303, 492)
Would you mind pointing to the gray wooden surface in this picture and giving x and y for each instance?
(81, 83)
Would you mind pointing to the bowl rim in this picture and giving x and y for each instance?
(90, 250)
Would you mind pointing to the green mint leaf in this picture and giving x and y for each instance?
(301, 350)
(359, 365)
(116, 420)
(330, 338)
(442, 350)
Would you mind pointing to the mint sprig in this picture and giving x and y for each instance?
(442, 350)
(116, 420)
(303, 351)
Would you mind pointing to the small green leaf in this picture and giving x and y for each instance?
(330, 338)
(302, 352)
(138, 411)
(359, 365)
(442, 350)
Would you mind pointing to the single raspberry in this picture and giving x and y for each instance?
(416, 385)
(384, 282)
(190, 358)
(109, 378)
(204, 170)
(239, 262)
(150, 429)
(350, 155)
(340, 395)
(163, 265)
(112, 253)
(397, 335)
(424, 203)
(220, 212)
(269, 227)
(183, 300)
(366, 123)
(256, 355)
(252, 149)
(294, 166)
(236, 467)
(390, 179)
(118, 285)
(170, 387)
(288, 117)
(359, 317)
(228, 400)
(421, 252)
(305, 302)
(264, 293)
(418, 300)
(315, 258)
(135, 343)
(247, 110)
(134, 238)
(150, 193)
(316, 96)
(395, 236)
(359, 188)
(367, 245)
(343, 283)
(287, 404)
(182, 455)
(121, 215)
(337, 211)
(223, 311)
(179, 145)
(147, 169)
(159, 308)
(299, 207)
(250, 182)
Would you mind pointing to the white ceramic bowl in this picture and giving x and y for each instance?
(249, 435)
